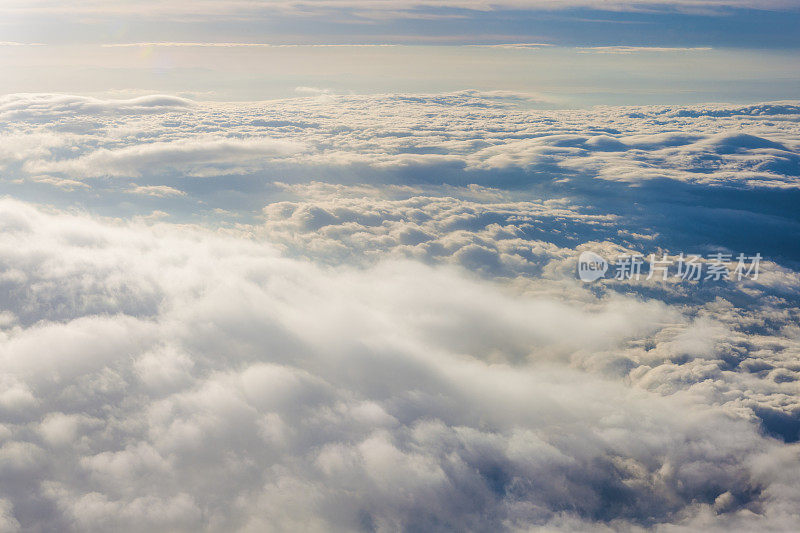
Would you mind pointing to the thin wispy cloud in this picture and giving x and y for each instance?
(14, 43)
(168, 44)
(512, 46)
(640, 49)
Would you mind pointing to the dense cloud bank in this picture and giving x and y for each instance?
(396, 137)
(361, 313)
(451, 166)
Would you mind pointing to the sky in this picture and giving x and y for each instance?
(574, 52)
(319, 266)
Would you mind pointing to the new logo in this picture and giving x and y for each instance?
(591, 267)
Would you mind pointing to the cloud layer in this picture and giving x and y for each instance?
(754, 145)
(342, 313)
(176, 378)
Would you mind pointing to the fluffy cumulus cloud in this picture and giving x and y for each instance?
(352, 313)
(434, 134)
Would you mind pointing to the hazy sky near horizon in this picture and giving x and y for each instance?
(568, 53)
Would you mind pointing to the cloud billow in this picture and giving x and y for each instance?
(361, 313)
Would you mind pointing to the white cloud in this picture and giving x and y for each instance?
(514, 45)
(31, 106)
(182, 44)
(159, 191)
(636, 49)
(314, 91)
(477, 131)
(369, 319)
(241, 389)
(192, 156)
